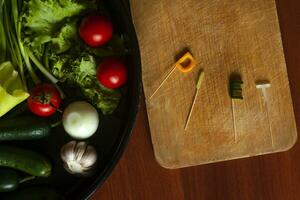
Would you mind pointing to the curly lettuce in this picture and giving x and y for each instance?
(81, 72)
(45, 16)
(47, 21)
(50, 32)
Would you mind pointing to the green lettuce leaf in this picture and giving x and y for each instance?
(63, 40)
(53, 21)
(50, 31)
(81, 72)
(44, 16)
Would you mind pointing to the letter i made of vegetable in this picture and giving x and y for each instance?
(185, 64)
(236, 93)
(198, 86)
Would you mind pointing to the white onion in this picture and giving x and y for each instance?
(80, 120)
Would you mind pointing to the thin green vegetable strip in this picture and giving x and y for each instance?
(41, 67)
(11, 31)
(8, 35)
(15, 19)
(2, 34)
(32, 74)
(15, 14)
(46, 58)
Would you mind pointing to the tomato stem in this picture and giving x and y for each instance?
(44, 98)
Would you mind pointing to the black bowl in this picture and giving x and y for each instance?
(114, 130)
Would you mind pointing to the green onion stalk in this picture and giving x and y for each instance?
(12, 47)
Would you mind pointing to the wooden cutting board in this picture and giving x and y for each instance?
(225, 36)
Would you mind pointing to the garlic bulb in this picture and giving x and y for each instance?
(79, 158)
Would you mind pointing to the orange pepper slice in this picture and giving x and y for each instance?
(186, 63)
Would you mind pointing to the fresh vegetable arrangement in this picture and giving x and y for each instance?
(63, 60)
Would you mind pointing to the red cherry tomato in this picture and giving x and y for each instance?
(44, 100)
(112, 73)
(96, 30)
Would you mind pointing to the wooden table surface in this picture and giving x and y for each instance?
(272, 177)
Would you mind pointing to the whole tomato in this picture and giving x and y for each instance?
(112, 73)
(96, 30)
(44, 100)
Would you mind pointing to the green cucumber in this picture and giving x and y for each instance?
(25, 160)
(236, 91)
(34, 193)
(9, 180)
(23, 128)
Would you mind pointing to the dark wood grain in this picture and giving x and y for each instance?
(272, 177)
